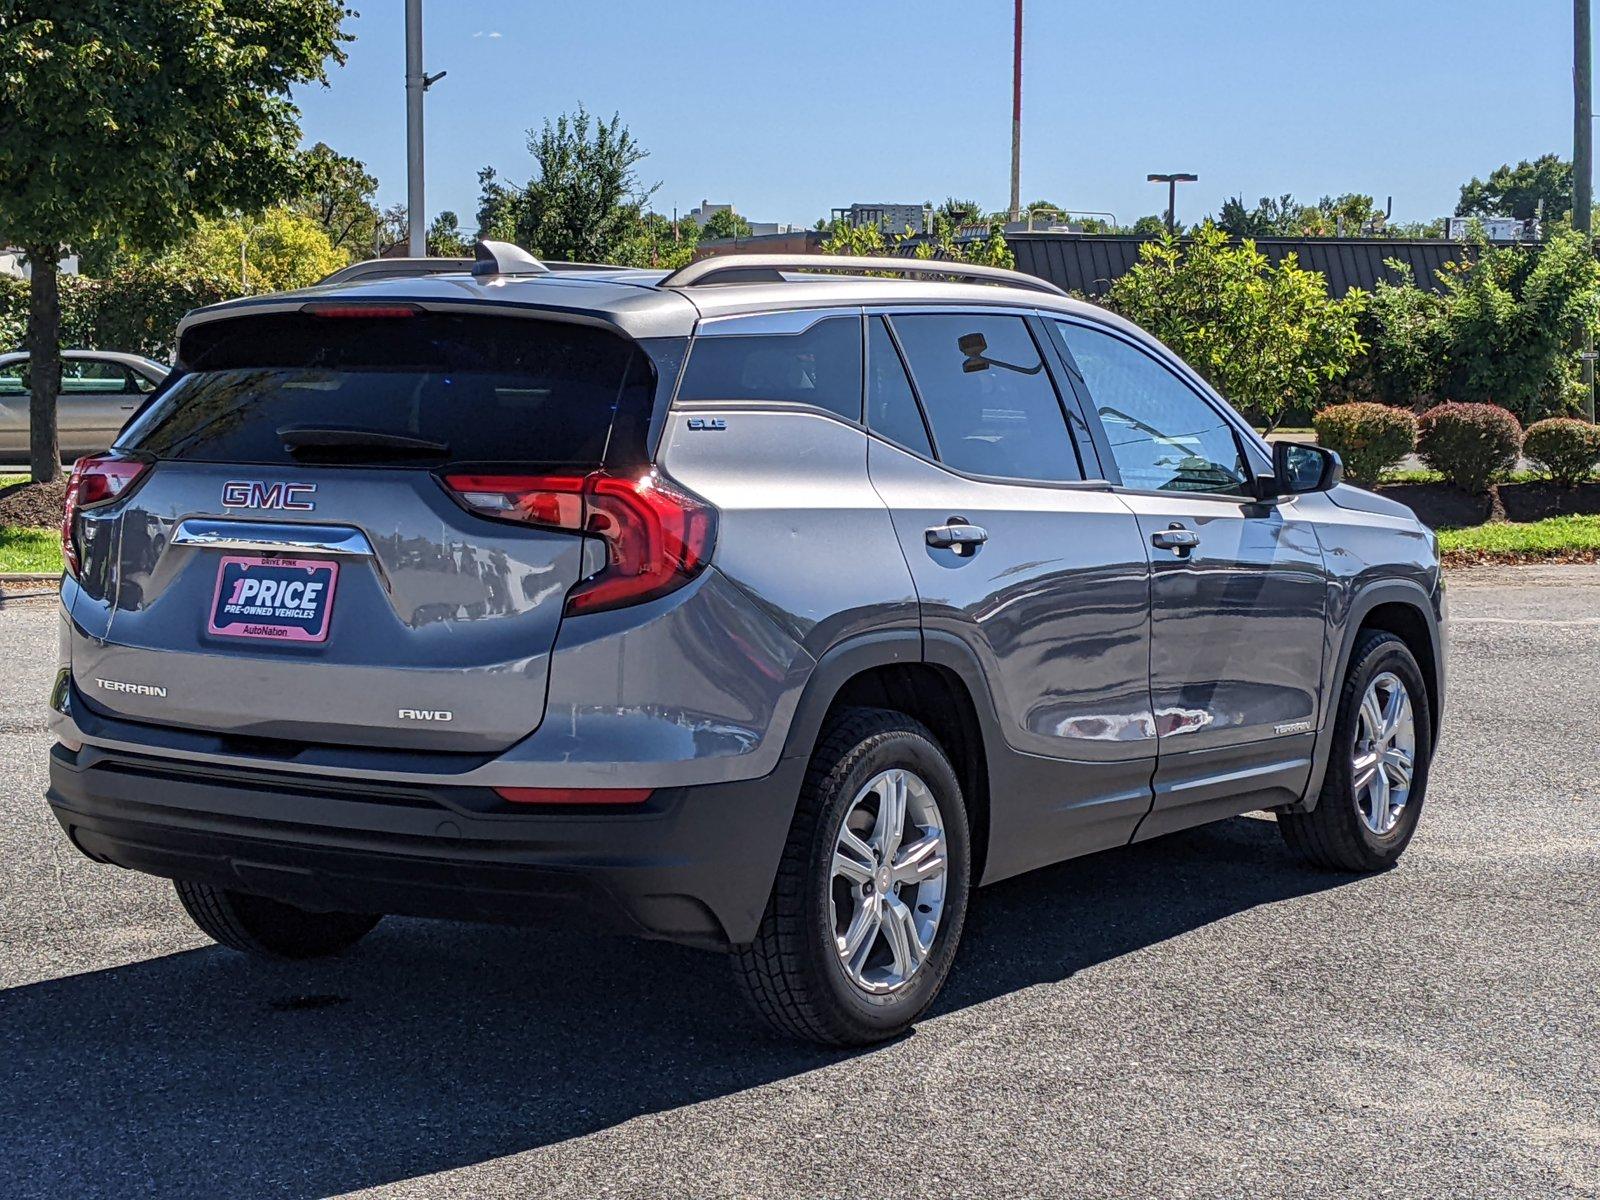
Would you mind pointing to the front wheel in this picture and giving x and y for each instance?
(1377, 773)
(871, 893)
(270, 928)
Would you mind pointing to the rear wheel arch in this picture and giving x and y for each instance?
(889, 671)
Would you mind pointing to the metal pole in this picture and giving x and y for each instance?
(416, 207)
(1172, 204)
(1016, 117)
(1583, 164)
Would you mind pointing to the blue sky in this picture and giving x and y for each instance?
(789, 110)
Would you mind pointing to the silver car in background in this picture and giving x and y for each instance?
(100, 389)
(771, 605)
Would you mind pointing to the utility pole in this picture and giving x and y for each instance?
(1016, 117)
(417, 82)
(1172, 182)
(1583, 164)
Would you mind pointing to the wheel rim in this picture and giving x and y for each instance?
(887, 889)
(1383, 761)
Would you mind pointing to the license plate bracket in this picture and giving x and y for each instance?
(263, 597)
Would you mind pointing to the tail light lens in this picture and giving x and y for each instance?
(658, 537)
(94, 480)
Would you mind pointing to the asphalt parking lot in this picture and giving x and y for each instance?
(1200, 1016)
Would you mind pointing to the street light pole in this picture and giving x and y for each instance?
(1016, 116)
(416, 207)
(1583, 164)
(1172, 182)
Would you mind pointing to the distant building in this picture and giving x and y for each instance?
(1496, 229)
(890, 218)
(13, 262)
(706, 210)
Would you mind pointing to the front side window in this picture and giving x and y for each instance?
(94, 377)
(1164, 436)
(820, 365)
(987, 395)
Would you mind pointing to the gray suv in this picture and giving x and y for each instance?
(770, 606)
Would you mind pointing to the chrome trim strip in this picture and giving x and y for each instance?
(264, 538)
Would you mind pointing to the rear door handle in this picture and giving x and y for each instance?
(957, 535)
(1179, 540)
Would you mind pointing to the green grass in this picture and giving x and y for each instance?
(30, 550)
(1423, 475)
(8, 480)
(1554, 537)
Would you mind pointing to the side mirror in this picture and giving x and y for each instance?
(1298, 467)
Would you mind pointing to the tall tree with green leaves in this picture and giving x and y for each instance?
(132, 118)
(1517, 191)
(725, 223)
(339, 194)
(585, 198)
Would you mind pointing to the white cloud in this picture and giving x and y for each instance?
(491, 34)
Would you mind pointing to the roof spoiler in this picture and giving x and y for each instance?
(766, 268)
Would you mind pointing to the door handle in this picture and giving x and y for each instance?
(1177, 539)
(956, 535)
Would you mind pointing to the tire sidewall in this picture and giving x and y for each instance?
(1388, 654)
(870, 1013)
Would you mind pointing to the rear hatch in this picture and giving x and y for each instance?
(297, 560)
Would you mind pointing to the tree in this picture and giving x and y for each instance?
(939, 243)
(1269, 338)
(585, 198)
(275, 252)
(960, 212)
(1269, 217)
(1517, 191)
(656, 242)
(339, 195)
(131, 120)
(725, 223)
(445, 239)
(1151, 226)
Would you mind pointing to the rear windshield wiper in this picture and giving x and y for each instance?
(349, 437)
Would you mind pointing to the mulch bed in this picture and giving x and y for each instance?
(1457, 559)
(1441, 506)
(33, 504)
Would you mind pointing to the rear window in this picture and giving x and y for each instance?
(432, 388)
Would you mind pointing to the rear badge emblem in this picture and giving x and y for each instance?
(704, 423)
(253, 493)
(132, 689)
(426, 714)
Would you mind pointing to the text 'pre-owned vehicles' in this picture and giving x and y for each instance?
(771, 605)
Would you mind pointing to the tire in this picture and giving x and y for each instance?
(1339, 834)
(793, 973)
(270, 928)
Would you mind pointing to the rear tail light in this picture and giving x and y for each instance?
(362, 310)
(94, 480)
(658, 537)
(573, 795)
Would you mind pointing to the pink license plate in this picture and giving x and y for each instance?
(273, 599)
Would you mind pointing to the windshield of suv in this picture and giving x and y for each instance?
(425, 388)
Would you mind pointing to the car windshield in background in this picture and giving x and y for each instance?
(420, 388)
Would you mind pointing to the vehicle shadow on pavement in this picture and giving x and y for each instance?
(437, 1045)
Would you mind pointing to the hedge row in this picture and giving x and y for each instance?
(136, 309)
(1471, 445)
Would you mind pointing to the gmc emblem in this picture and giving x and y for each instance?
(255, 494)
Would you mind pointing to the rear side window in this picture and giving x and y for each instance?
(820, 366)
(485, 389)
(891, 405)
(988, 398)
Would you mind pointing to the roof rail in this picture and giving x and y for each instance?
(503, 258)
(752, 268)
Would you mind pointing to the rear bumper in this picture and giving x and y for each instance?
(693, 865)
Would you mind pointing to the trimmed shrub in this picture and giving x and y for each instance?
(1564, 449)
(1368, 437)
(1472, 445)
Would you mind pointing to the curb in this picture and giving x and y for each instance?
(29, 577)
